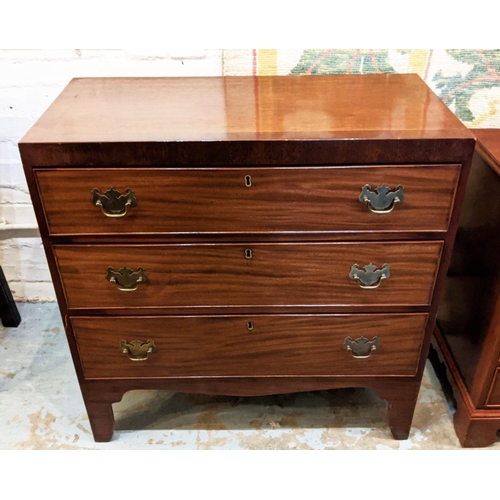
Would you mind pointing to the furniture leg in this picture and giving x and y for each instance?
(102, 421)
(402, 401)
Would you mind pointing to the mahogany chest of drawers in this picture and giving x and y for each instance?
(467, 332)
(248, 235)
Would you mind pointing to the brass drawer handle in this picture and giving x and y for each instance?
(137, 350)
(112, 203)
(125, 279)
(369, 277)
(382, 199)
(361, 348)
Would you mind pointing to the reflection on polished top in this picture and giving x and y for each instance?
(245, 108)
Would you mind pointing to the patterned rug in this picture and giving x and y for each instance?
(467, 80)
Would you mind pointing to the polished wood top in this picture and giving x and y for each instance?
(114, 110)
(488, 146)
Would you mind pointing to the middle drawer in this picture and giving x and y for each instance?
(249, 275)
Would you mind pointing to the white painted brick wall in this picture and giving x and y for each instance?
(29, 81)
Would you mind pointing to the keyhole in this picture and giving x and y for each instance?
(248, 181)
(250, 326)
(248, 253)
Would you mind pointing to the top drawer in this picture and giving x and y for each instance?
(246, 200)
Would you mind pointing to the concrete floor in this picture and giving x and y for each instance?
(42, 408)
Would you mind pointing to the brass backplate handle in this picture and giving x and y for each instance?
(112, 203)
(370, 277)
(361, 348)
(137, 350)
(125, 279)
(382, 199)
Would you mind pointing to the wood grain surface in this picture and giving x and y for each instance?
(294, 345)
(220, 275)
(294, 200)
(494, 394)
(475, 427)
(488, 146)
(278, 120)
(245, 108)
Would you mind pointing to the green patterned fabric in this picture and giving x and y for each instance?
(342, 61)
(459, 89)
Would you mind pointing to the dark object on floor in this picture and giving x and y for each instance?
(8, 310)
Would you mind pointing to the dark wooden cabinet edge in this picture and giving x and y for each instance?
(475, 427)
(335, 151)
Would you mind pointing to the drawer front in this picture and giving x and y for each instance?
(249, 275)
(245, 200)
(494, 394)
(276, 345)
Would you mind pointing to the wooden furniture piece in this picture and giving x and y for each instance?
(467, 333)
(8, 310)
(248, 235)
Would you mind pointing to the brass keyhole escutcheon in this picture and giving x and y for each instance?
(250, 326)
(248, 180)
(248, 253)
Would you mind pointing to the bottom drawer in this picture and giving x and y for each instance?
(246, 346)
